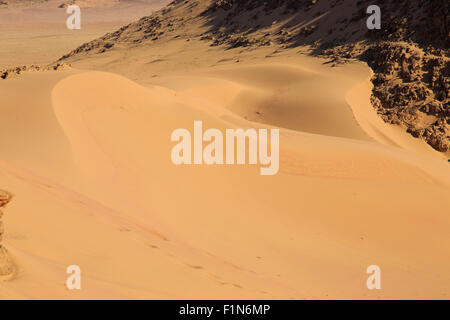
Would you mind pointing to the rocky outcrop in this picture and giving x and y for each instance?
(412, 88)
(7, 267)
(13, 72)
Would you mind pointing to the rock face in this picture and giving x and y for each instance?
(413, 89)
(7, 268)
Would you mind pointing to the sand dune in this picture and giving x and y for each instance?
(87, 155)
(410, 67)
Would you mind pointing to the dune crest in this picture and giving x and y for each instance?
(410, 68)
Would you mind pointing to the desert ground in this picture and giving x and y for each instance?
(37, 34)
(85, 153)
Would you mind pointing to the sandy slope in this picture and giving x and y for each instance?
(87, 156)
(38, 34)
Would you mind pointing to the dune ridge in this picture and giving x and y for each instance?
(411, 69)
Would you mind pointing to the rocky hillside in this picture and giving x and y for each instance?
(409, 54)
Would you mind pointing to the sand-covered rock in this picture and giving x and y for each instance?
(13, 72)
(88, 3)
(5, 198)
(6, 265)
